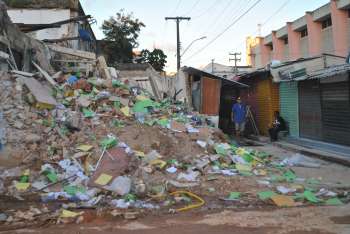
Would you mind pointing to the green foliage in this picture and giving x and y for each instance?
(121, 34)
(156, 58)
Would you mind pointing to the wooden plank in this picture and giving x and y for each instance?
(77, 53)
(26, 74)
(4, 40)
(45, 74)
(210, 101)
(4, 55)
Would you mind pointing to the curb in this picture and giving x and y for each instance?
(327, 156)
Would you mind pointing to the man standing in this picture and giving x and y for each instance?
(238, 115)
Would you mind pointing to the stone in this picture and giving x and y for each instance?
(32, 138)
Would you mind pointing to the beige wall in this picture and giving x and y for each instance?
(327, 41)
(304, 47)
(257, 58)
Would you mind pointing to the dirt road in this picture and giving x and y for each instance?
(306, 220)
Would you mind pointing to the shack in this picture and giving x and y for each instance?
(209, 94)
(262, 97)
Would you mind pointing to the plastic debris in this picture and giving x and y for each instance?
(171, 170)
(120, 185)
(202, 144)
(234, 196)
(283, 201)
(193, 206)
(103, 179)
(264, 195)
(300, 160)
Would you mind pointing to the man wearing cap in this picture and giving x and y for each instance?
(238, 116)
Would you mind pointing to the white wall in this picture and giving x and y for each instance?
(43, 16)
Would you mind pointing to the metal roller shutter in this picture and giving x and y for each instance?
(289, 106)
(336, 112)
(310, 110)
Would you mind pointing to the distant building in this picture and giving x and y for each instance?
(224, 70)
(325, 30)
(61, 22)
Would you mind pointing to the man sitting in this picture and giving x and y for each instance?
(278, 125)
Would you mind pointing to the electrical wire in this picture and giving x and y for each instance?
(205, 11)
(235, 12)
(268, 19)
(225, 30)
(177, 7)
(192, 8)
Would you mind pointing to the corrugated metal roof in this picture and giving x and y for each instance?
(195, 71)
(330, 71)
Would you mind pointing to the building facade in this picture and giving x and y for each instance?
(62, 22)
(325, 30)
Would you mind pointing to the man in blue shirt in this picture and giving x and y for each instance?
(238, 115)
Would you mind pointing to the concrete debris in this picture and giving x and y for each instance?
(94, 141)
(41, 93)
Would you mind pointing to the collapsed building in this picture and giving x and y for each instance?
(81, 137)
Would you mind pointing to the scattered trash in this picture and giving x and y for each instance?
(264, 195)
(300, 160)
(283, 201)
(193, 206)
(120, 185)
(171, 170)
(285, 190)
(202, 144)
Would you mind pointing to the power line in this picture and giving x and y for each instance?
(177, 7)
(226, 29)
(268, 19)
(192, 8)
(235, 13)
(276, 12)
(205, 11)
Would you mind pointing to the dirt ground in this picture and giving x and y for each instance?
(307, 220)
(222, 217)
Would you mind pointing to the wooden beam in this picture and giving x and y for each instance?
(4, 55)
(77, 53)
(45, 74)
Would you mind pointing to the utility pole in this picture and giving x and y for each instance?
(178, 20)
(236, 59)
(212, 66)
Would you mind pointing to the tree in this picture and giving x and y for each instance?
(156, 58)
(121, 34)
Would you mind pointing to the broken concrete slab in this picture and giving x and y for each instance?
(41, 93)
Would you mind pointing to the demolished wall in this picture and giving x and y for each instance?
(39, 4)
(22, 43)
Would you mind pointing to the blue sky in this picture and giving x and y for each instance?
(209, 18)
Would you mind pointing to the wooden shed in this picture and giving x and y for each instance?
(210, 94)
(262, 97)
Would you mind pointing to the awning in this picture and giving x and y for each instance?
(194, 71)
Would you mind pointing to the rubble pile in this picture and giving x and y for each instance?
(81, 143)
(91, 143)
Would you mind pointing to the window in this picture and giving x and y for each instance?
(327, 23)
(303, 33)
(285, 40)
